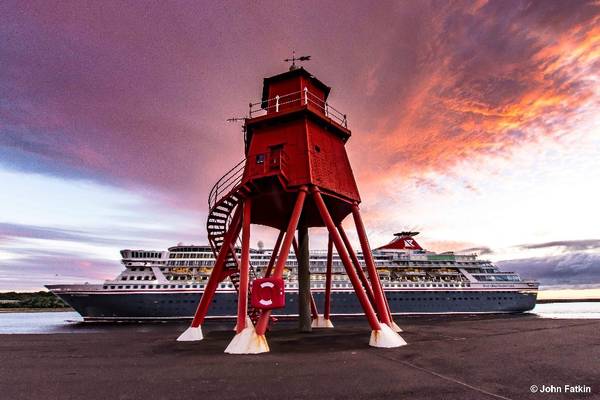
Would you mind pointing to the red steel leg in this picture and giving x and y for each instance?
(263, 321)
(327, 305)
(387, 306)
(339, 245)
(217, 271)
(313, 307)
(359, 270)
(244, 269)
(274, 254)
(382, 310)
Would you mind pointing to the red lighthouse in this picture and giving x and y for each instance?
(296, 175)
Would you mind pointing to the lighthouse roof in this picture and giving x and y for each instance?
(290, 75)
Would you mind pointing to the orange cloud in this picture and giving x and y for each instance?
(485, 104)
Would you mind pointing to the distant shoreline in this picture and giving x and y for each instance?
(544, 301)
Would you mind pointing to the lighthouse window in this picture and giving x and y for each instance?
(260, 159)
(317, 149)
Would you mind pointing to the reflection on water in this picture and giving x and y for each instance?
(70, 322)
(580, 310)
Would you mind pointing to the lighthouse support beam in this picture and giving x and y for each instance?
(274, 254)
(263, 321)
(381, 334)
(339, 245)
(357, 266)
(382, 306)
(246, 341)
(323, 321)
(194, 332)
(327, 306)
(244, 269)
(304, 294)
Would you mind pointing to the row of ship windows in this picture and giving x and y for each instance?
(426, 285)
(496, 278)
(234, 300)
(230, 286)
(321, 260)
(336, 263)
(153, 286)
(138, 278)
(146, 263)
(447, 298)
(145, 254)
(318, 285)
(191, 255)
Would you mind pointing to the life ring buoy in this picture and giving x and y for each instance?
(268, 293)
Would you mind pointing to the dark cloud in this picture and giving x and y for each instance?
(566, 270)
(39, 232)
(567, 245)
(479, 250)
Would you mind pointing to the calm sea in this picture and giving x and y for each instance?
(71, 322)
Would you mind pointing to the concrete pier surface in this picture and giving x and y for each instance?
(458, 357)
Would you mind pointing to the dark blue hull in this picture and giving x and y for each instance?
(121, 306)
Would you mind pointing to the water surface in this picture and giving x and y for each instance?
(71, 322)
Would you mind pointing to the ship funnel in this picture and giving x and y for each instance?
(402, 241)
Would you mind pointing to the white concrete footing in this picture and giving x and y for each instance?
(248, 341)
(395, 327)
(386, 337)
(248, 323)
(191, 334)
(321, 322)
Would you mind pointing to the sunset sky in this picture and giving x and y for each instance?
(476, 123)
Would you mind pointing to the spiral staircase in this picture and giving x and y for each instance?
(223, 200)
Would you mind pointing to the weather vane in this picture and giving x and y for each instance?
(294, 59)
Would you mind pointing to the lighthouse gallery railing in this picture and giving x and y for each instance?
(301, 97)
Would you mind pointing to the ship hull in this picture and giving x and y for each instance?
(111, 305)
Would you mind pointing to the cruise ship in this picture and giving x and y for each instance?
(158, 285)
